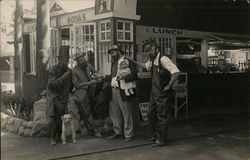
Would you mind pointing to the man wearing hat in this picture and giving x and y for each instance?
(58, 87)
(82, 77)
(164, 77)
(120, 103)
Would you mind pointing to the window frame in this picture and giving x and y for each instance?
(124, 31)
(105, 31)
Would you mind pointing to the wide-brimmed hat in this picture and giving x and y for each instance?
(150, 43)
(63, 52)
(115, 48)
(78, 55)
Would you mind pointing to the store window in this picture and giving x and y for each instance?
(124, 31)
(30, 53)
(105, 31)
(54, 46)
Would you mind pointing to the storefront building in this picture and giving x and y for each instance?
(115, 22)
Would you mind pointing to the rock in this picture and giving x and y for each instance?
(30, 124)
(27, 132)
(37, 127)
(107, 128)
(9, 127)
(25, 124)
(108, 121)
(4, 123)
(17, 125)
(39, 110)
(98, 122)
(43, 133)
(20, 131)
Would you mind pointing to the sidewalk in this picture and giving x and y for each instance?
(14, 147)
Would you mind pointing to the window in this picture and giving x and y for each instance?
(54, 45)
(124, 31)
(30, 53)
(105, 30)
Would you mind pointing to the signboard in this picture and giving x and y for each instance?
(76, 17)
(157, 31)
(104, 6)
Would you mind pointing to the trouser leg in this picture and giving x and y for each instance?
(152, 117)
(84, 107)
(52, 126)
(115, 112)
(126, 108)
(163, 105)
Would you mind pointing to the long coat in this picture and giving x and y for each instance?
(79, 76)
(57, 90)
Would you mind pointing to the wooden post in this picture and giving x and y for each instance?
(18, 32)
(42, 44)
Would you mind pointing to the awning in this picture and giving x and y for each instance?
(229, 42)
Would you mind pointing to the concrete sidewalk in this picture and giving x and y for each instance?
(14, 147)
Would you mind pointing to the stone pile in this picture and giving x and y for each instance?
(23, 127)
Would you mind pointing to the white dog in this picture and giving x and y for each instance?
(68, 128)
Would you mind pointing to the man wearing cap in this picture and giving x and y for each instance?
(164, 77)
(120, 103)
(58, 87)
(82, 78)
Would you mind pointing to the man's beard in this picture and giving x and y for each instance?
(84, 65)
(152, 56)
(115, 58)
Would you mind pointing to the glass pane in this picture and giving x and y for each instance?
(127, 26)
(120, 35)
(91, 29)
(87, 30)
(108, 35)
(102, 36)
(120, 26)
(127, 36)
(87, 38)
(92, 38)
(103, 27)
(108, 26)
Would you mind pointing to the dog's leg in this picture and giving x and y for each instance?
(63, 136)
(73, 132)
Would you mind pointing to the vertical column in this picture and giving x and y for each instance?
(42, 44)
(18, 29)
(204, 52)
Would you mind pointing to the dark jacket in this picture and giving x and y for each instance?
(128, 78)
(57, 89)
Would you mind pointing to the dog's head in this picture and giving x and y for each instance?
(66, 118)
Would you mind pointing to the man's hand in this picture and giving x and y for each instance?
(120, 77)
(65, 75)
(167, 87)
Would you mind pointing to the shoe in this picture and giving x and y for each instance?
(158, 144)
(151, 139)
(98, 134)
(52, 142)
(128, 139)
(114, 136)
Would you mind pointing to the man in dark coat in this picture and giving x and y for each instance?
(82, 75)
(120, 104)
(58, 87)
